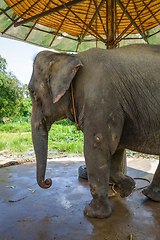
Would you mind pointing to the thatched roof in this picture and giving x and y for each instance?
(80, 18)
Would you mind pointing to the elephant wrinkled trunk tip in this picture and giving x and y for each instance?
(45, 184)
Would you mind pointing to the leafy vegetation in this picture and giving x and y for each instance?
(14, 98)
(15, 138)
(15, 127)
(65, 138)
(15, 143)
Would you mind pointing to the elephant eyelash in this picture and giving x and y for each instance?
(34, 95)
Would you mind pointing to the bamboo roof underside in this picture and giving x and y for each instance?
(80, 18)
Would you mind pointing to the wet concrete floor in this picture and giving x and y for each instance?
(57, 213)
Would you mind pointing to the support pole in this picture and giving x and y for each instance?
(111, 23)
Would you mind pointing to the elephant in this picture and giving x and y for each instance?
(113, 95)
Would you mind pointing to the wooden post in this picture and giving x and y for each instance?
(111, 37)
(111, 23)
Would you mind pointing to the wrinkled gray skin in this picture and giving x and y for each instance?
(117, 101)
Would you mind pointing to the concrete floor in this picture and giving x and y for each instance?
(57, 213)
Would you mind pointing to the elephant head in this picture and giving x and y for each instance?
(50, 81)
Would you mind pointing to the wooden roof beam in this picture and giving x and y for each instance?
(90, 27)
(4, 10)
(111, 23)
(154, 34)
(83, 25)
(59, 28)
(100, 17)
(29, 8)
(131, 19)
(123, 13)
(35, 22)
(8, 8)
(49, 32)
(121, 38)
(135, 7)
(92, 20)
(10, 19)
(30, 30)
(151, 12)
(46, 13)
(118, 39)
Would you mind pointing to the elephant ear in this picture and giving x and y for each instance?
(62, 72)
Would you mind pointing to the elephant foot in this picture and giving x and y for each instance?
(152, 192)
(97, 209)
(124, 183)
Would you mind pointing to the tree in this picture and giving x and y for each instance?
(3, 64)
(12, 94)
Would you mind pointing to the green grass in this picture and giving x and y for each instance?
(15, 142)
(15, 138)
(63, 139)
(15, 127)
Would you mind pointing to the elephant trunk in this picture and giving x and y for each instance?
(40, 142)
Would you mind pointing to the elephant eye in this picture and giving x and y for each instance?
(32, 92)
(34, 95)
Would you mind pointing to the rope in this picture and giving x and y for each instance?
(144, 180)
(114, 191)
(74, 110)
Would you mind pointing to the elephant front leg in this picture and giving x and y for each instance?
(98, 168)
(153, 190)
(118, 175)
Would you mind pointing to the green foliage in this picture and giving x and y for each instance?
(68, 147)
(3, 64)
(25, 107)
(14, 98)
(65, 138)
(64, 122)
(15, 127)
(16, 138)
(11, 94)
(15, 142)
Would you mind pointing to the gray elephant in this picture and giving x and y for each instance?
(115, 97)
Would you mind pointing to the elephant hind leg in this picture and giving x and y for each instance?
(153, 190)
(124, 183)
(118, 175)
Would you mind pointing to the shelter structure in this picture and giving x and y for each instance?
(66, 25)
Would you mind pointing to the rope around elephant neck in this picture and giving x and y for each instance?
(74, 110)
